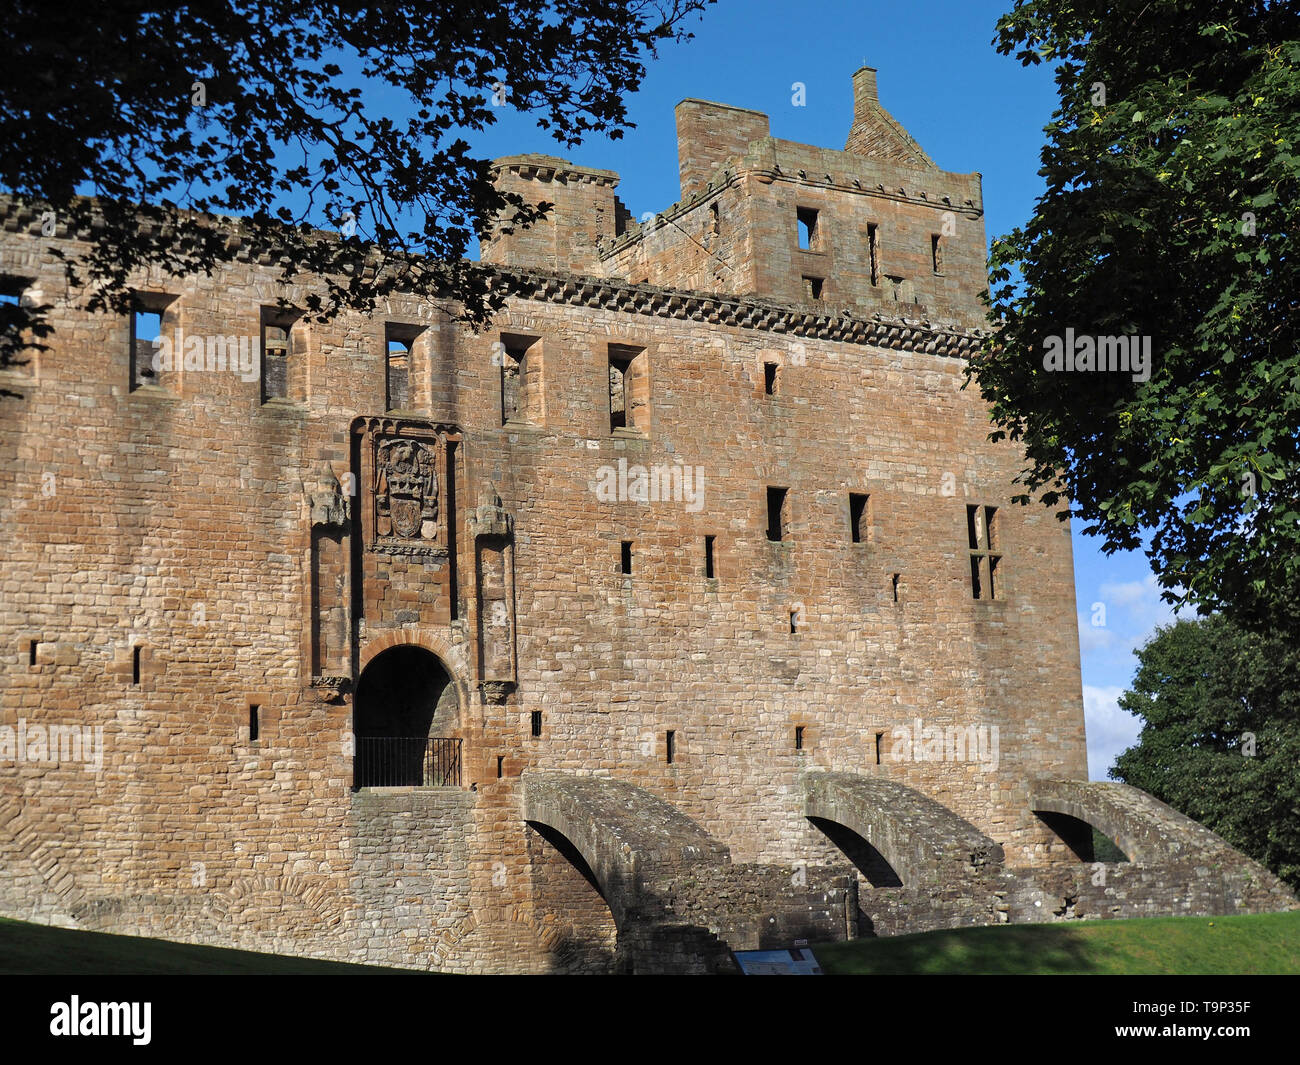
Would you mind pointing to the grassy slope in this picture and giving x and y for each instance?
(1257, 943)
(31, 949)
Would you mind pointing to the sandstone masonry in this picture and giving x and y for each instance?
(683, 610)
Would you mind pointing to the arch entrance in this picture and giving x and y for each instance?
(406, 719)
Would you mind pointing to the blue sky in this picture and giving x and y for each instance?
(968, 106)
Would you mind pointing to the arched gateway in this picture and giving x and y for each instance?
(406, 716)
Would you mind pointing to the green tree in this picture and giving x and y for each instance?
(291, 115)
(1171, 208)
(1220, 739)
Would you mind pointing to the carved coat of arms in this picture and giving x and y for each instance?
(406, 488)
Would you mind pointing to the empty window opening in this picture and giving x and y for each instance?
(812, 287)
(31, 653)
(715, 221)
(146, 330)
(873, 252)
(517, 382)
(895, 586)
(981, 536)
(807, 219)
(625, 561)
(135, 664)
(670, 745)
(501, 766)
(628, 388)
(778, 517)
(794, 619)
(770, 372)
(936, 252)
(277, 349)
(798, 737)
(398, 344)
(254, 725)
(709, 573)
(880, 739)
(537, 724)
(859, 529)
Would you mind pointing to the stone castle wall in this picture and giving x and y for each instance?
(185, 551)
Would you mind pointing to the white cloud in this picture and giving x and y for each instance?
(1110, 729)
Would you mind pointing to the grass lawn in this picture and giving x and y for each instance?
(37, 950)
(1255, 943)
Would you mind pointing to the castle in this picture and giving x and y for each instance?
(684, 610)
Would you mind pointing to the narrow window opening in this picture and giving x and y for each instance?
(626, 557)
(777, 514)
(880, 738)
(798, 737)
(794, 620)
(146, 330)
(670, 743)
(807, 219)
(628, 388)
(708, 558)
(135, 664)
(398, 343)
(936, 252)
(858, 528)
(516, 379)
(981, 537)
(501, 766)
(31, 653)
(537, 724)
(277, 349)
(254, 725)
(895, 585)
(715, 221)
(873, 252)
(812, 287)
(770, 371)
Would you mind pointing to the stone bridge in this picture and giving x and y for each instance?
(679, 903)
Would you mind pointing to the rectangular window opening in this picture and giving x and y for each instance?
(254, 725)
(895, 584)
(715, 221)
(625, 560)
(709, 573)
(812, 287)
(794, 620)
(398, 344)
(873, 252)
(770, 372)
(670, 744)
(777, 514)
(981, 535)
(880, 738)
(936, 252)
(135, 664)
(31, 653)
(628, 388)
(277, 349)
(858, 527)
(501, 766)
(146, 330)
(537, 724)
(807, 219)
(517, 379)
(798, 737)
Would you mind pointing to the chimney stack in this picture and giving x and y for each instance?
(865, 97)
